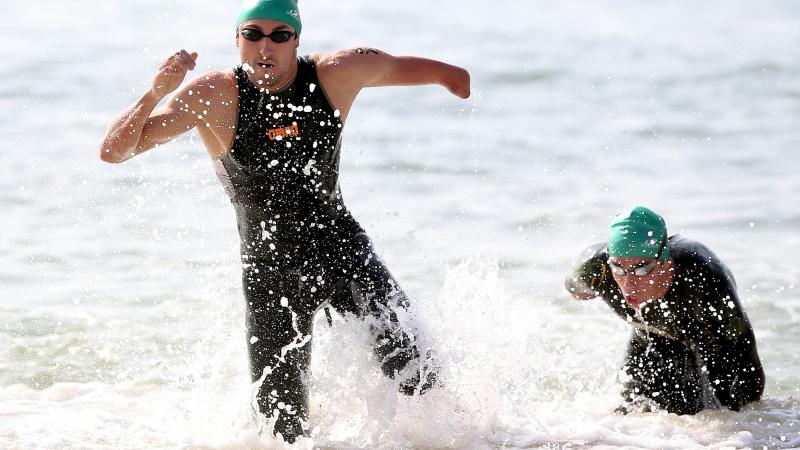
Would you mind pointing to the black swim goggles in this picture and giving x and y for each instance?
(644, 268)
(278, 36)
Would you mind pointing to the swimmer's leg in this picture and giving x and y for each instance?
(377, 297)
(662, 371)
(279, 339)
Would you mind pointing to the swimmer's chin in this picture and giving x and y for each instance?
(634, 302)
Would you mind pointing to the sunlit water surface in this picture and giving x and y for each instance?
(122, 315)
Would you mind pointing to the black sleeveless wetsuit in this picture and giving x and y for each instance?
(300, 246)
(693, 349)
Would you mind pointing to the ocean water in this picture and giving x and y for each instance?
(121, 314)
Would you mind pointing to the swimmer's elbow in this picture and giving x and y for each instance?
(107, 154)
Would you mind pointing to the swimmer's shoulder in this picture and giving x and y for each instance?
(212, 97)
(695, 259)
(329, 66)
(691, 252)
(328, 60)
(214, 84)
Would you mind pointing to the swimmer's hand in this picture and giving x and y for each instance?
(584, 283)
(172, 72)
(458, 82)
(579, 288)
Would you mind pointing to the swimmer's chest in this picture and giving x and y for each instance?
(285, 132)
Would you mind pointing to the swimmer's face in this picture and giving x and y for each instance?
(272, 64)
(652, 286)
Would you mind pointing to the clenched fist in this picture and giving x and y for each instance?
(172, 72)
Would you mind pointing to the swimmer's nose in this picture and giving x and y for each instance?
(267, 48)
(628, 284)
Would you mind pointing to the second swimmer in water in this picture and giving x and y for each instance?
(273, 129)
(692, 345)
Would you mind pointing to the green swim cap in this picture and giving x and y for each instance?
(637, 232)
(281, 10)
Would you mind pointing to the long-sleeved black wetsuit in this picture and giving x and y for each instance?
(698, 332)
(300, 245)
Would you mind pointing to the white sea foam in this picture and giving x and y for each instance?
(496, 364)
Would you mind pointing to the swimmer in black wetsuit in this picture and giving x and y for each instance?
(692, 346)
(273, 128)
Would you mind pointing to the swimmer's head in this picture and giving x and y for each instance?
(638, 256)
(285, 11)
(638, 232)
(267, 35)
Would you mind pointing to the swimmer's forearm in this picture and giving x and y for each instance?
(413, 71)
(133, 132)
(121, 141)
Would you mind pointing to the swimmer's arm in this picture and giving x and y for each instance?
(138, 128)
(590, 276)
(726, 345)
(374, 68)
(720, 309)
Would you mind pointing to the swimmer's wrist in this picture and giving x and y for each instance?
(152, 97)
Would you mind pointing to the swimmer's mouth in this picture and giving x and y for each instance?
(265, 65)
(633, 301)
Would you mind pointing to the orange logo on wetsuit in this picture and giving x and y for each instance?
(277, 134)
